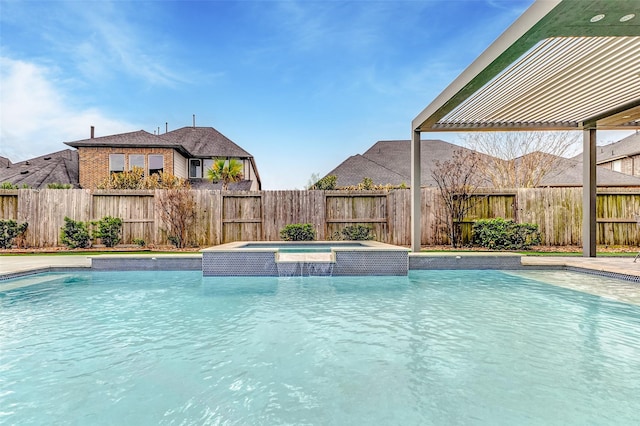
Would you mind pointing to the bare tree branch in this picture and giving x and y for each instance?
(457, 180)
(521, 159)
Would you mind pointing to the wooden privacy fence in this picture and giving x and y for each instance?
(251, 216)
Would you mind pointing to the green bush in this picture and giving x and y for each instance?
(327, 183)
(74, 234)
(298, 232)
(9, 229)
(357, 232)
(367, 184)
(59, 186)
(108, 229)
(139, 241)
(501, 234)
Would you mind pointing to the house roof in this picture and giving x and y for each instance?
(352, 170)
(58, 167)
(564, 64)
(205, 142)
(623, 148)
(190, 141)
(4, 161)
(568, 172)
(388, 162)
(135, 139)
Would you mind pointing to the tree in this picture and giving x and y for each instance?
(520, 159)
(177, 208)
(315, 177)
(457, 180)
(225, 171)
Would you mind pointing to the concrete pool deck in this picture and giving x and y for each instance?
(13, 266)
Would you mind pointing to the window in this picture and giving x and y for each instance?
(616, 166)
(195, 168)
(116, 163)
(136, 160)
(156, 164)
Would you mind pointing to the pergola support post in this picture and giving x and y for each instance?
(416, 195)
(589, 193)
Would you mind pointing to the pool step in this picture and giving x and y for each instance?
(31, 280)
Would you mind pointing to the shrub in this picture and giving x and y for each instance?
(74, 234)
(139, 242)
(8, 185)
(59, 186)
(135, 179)
(298, 232)
(108, 229)
(367, 184)
(327, 183)
(501, 234)
(9, 229)
(357, 232)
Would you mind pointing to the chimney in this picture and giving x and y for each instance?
(93, 129)
(166, 127)
(194, 121)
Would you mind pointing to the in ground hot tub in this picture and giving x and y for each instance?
(283, 258)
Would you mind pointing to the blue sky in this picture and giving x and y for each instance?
(301, 85)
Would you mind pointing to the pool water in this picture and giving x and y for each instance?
(434, 348)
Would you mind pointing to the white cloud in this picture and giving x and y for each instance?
(36, 117)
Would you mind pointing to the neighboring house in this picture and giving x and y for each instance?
(568, 173)
(186, 153)
(59, 167)
(389, 162)
(622, 156)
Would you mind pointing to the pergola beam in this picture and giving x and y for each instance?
(589, 193)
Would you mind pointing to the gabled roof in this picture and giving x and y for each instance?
(136, 139)
(205, 142)
(198, 142)
(58, 167)
(568, 172)
(389, 162)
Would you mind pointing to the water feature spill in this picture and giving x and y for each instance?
(294, 264)
(305, 269)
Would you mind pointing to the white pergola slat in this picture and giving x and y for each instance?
(563, 65)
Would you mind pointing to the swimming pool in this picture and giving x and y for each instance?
(436, 347)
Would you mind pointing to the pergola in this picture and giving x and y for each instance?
(563, 65)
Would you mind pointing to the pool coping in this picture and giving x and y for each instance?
(613, 267)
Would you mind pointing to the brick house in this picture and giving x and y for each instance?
(622, 156)
(186, 153)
